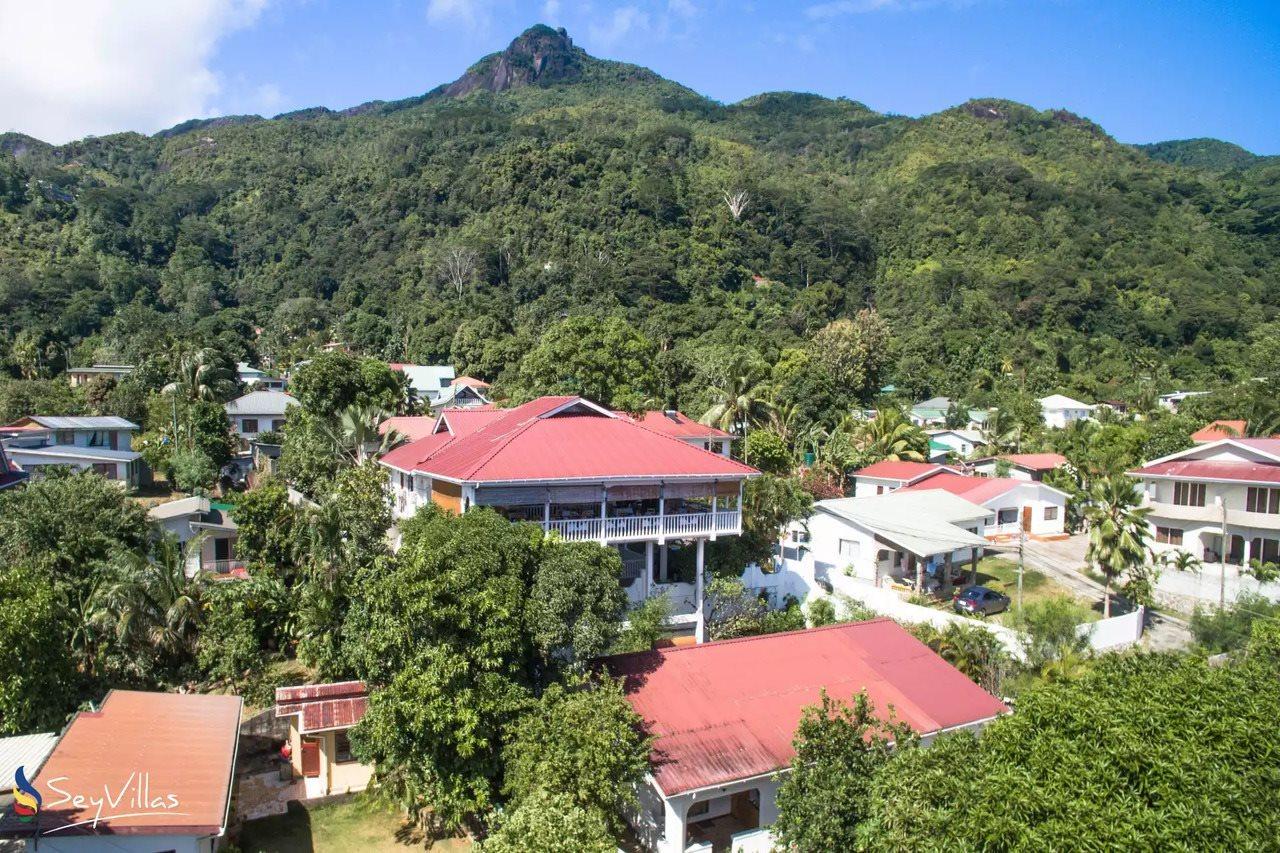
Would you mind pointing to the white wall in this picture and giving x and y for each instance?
(1115, 633)
(864, 486)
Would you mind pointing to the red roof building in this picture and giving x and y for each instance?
(1020, 466)
(168, 758)
(319, 749)
(1218, 430)
(1019, 505)
(681, 426)
(472, 382)
(724, 714)
(889, 475)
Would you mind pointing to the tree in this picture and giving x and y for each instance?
(769, 505)
(576, 602)
(268, 526)
(1118, 531)
(553, 823)
(1121, 756)
(609, 362)
(767, 451)
(308, 459)
(646, 624)
(38, 677)
(357, 433)
(1226, 629)
(840, 748)
(972, 649)
(853, 352)
(1049, 631)
(204, 374)
(890, 436)
(458, 268)
(737, 202)
(742, 400)
(584, 740)
(334, 381)
(191, 471)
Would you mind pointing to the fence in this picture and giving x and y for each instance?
(1116, 632)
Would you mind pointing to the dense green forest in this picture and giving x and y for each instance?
(1002, 246)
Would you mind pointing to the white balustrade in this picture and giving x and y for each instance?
(642, 527)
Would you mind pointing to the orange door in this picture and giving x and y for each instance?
(310, 757)
(1026, 519)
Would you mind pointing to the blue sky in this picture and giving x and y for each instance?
(1145, 71)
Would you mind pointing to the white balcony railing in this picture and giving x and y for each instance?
(642, 527)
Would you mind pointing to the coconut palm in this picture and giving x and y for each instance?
(201, 375)
(1118, 530)
(357, 433)
(149, 600)
(1001, 434)
(741, 401)
(1181, 561)
(891, 436)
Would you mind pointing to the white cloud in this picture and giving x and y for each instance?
(473, 14)
(93, 67)
(624, 21)
(682, 8)
(551, 10)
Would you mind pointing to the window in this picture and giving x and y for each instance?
(64, 436)
(106, 469)
(1263, 500)
(1188, 494)
(1007, 516)
(1266, 550)
(277, 424)
(699, 808)
(249, 425)
(341, 748)
(879, 490)
(1051, 513)
(849, 548)
(1169, 535)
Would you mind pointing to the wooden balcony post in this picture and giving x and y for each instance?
(662, 518)
(648, 568)
(604, 513)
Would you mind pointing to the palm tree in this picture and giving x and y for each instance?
(357, 433)
(201, 375)
(1118, 530)
(741, 401)
(1000, 433)
(890, 436)
(1181, 561)
(150, 600)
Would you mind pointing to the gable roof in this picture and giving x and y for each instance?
(1205, 469)
(1266, 450)
(1062, 401)
(975, 489)
(458, 392)
(1030, 461)
(410, 427)
(907, 472)
(1219, 429)
(679, 425)
(472, 382)
(74, 422)
(184, 743)
(923, 522)
(320, 707)
(262, 403)
(728, 710)
(554, 438)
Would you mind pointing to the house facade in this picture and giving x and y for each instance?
(1218, 501)
(1019, 466)
(427, 382)
(888, 476)
(1058, 411)
(321, 717)
(1016, 505)
(458, 396)
(256, 379)
(257, 412)
(723, 716)
(206, 532)
(99, 444)
(78, 376)
(944, 443)
(582, 473)
(168, 758)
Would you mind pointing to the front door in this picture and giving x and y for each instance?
(310, 757)
(1026, 519)
(221, 550)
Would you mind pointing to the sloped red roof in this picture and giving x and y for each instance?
(320, 707)
(472, 382)
(974, 489)
(1218, 430)
(1037, 461)
(463, 422)
(679, 425)
(1192, 469)
(150, 746)
(411, 427)
(905, 471)
(556, 438)
(728, 710)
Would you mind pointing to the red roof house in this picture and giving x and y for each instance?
(319, 750)
(1219, 429)
(724, 714)
(888, 475)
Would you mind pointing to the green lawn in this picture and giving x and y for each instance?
(354, 824)
(1001, 574)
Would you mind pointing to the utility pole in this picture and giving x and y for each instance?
(1222, 558)
(1022, 541)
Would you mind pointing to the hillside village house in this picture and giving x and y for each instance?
(583, 473)
(199, 518)
(723, 716)
(460, 396)
(99, 444)
(944, 443)
(1017, 505)
(933, 412)
(919, 538)
(78, 376)
(1218, 430)
(1173, 400)
(1058, 411)
(887, 476)
(170, 757)
(1019, 466)
(257, 412)
(321, 717)
(1218, 501)
(257, 380)
(426, 381)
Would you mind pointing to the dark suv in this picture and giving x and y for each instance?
(979, 601)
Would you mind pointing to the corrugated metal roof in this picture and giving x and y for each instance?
(26, 751)
(900, 470)
(974, 489)
(77, 422)
(178, 508)
(339, 705)
(262, 403)
(726, 711)
(74, 451)
(922, 522)
(679, 425)
(1244, 472)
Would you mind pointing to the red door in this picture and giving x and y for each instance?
(310, 757)
(1026, 519)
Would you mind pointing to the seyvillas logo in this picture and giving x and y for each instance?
(26, 799)
(133, 798)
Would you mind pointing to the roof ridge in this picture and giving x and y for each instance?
(519, 429)
(636, 423)
(669, 650)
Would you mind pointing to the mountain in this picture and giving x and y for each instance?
(1203, 153)
(1008, 249)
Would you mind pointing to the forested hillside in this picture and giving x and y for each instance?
(1000, 245)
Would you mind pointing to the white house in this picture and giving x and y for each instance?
(1019, 466)
(167, 762)
(920, 538)
(257, 380)
(427, 381)
(78, 376)
(948, 442)
(1017, 505)
(99, 444)
(1058, 411)
(582, 473)
(888, 476)
(723, 716)
(933, 412)
(1226, 491)
(258, 412)
(1173, 399)
(188, 518)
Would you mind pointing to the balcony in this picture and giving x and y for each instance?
(640, 528)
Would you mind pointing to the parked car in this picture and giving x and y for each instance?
(979, 601)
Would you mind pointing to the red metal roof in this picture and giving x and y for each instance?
(975, 489)
(320, 707)
(556, 438)
(679, 425)
(143, 747)
(904, 471)
(1204, 469)
(726, 711)
(1037, 461)
(463, 422)
(411, 427)
(472, 382)
(1219, 430)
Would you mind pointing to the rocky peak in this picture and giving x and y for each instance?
(540, 56)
